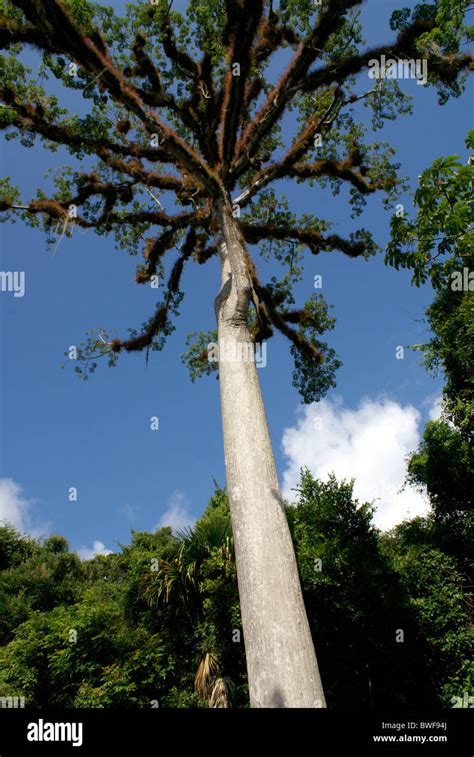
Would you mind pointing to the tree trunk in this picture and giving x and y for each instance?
(281, 662)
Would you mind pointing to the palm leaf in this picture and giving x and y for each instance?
(221, 691)
(206, 675)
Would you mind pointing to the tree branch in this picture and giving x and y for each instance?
(284, 167)
(55, 210)
(155, 248)
(243, 36)
(157, 97)
(339, 169)
(160, 319)
(280, 321)
(277, 100)
(447, 68)
(92, 55)
(177, 56)
(314, 240)
(32, 118)
(12, 33)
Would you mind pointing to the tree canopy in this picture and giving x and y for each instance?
(178, 111)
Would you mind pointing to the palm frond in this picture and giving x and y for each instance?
(221, 691)
(210, 685)
(206, 675)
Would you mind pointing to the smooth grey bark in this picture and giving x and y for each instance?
(281, 661)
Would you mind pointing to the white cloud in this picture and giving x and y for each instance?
(436, 408)
(369, 444)
(177, 514)
(15, 509)
(98, 548)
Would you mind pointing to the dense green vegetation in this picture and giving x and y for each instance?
(438, 245)
(132, 629)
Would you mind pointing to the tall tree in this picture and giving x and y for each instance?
(195, 94)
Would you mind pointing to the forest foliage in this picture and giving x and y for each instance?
(133, 628)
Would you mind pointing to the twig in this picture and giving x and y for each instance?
(155, 198)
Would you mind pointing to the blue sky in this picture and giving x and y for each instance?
(59, 432)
